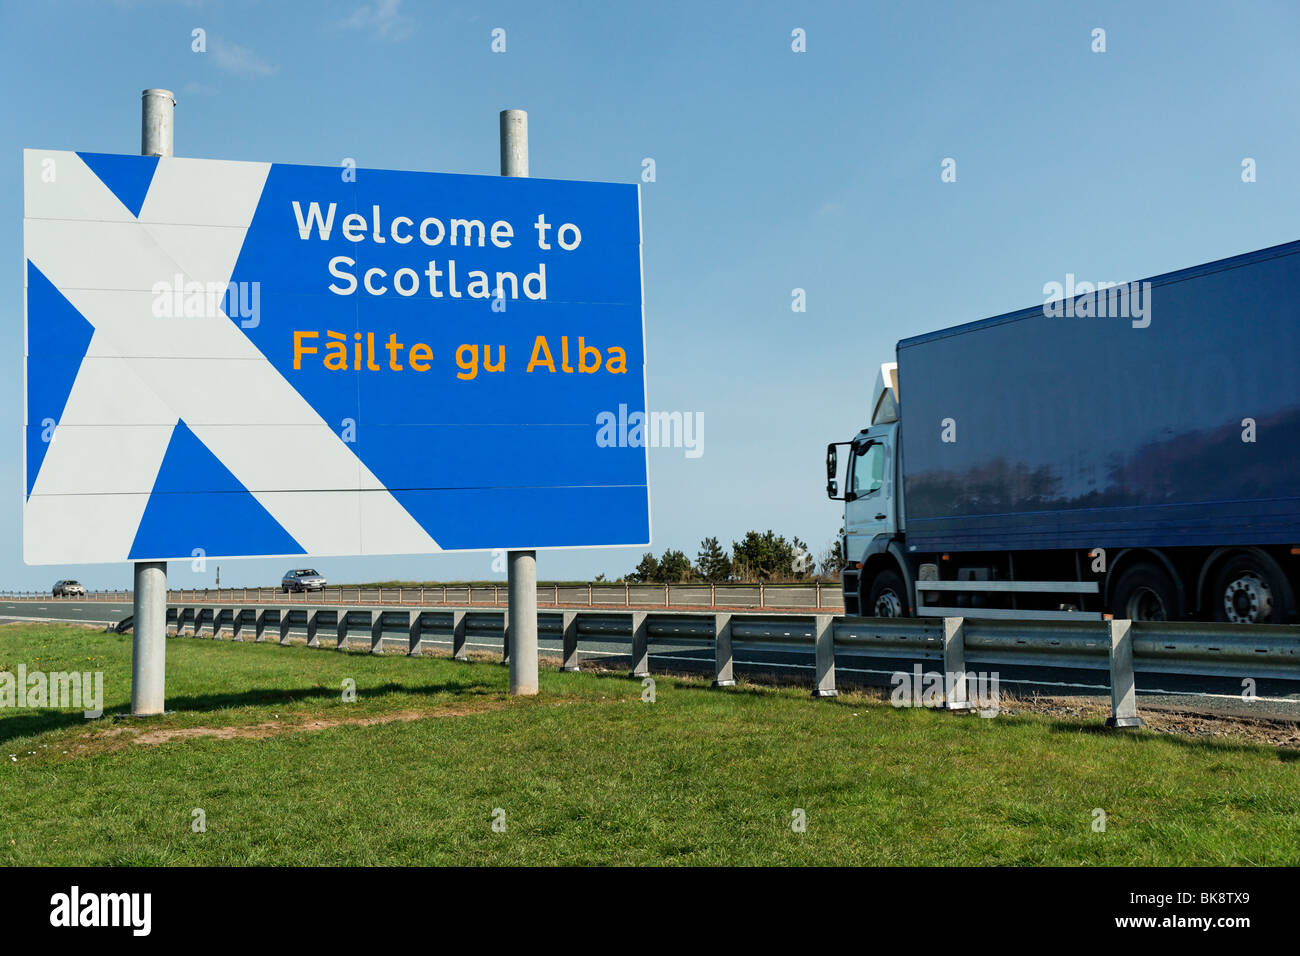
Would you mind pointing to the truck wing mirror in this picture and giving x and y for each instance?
(832, 466)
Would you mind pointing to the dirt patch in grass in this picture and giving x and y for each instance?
(120, 738)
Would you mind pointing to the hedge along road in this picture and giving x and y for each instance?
(1204, 695)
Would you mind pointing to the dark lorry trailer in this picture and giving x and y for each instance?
(1130, 451)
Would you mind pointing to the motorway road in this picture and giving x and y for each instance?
(1275, 700)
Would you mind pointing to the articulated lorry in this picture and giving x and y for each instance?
(1128, 450)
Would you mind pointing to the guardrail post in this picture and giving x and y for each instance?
(956, 694)
(458, 636)
(569, 626)
(640, 645)
(1123, 695)
(414, 632)
(505, 632)
(724, 668)
(824, 638)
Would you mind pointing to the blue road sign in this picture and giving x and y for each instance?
(238, 359)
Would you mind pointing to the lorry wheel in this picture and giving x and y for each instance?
(1248, 591)
(888, 596)
(1146, 592)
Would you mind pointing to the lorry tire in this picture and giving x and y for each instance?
(888, 596)
(1146, 592)
(1248, 590)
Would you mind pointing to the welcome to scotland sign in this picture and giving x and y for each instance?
(238, 359)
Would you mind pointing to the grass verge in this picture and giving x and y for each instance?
(415, 770)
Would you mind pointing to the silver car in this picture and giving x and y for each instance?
(304, 579)
(68, 588)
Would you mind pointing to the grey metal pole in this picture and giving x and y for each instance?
(149, 639)
(158, 108)
(149, 600)
(514, 143)
(522, 571)
(521, 566)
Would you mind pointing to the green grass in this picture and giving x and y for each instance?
(587, 773)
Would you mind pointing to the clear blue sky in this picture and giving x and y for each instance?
(775, 170)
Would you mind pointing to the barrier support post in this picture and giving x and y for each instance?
(724, 665)
(824, 631)
(640, 645)
(458, 636)
(414, 632)
(956, 689)
(570, 627)
(1123, 693)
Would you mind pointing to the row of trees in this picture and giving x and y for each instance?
(765, 556)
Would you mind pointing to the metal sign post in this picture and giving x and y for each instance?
(521, 566)
(149, 601)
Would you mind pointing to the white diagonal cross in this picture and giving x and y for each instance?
(142, 374)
